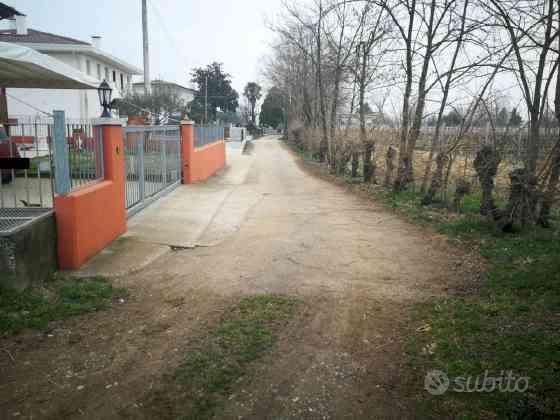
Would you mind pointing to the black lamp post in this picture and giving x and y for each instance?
(104, 91)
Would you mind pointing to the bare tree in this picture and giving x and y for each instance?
(448, 76)
(553, 178)
(529, 26)
(329, 53)
(340, 46)
(365, 72)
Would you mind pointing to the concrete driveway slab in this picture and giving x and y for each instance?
(201, 214)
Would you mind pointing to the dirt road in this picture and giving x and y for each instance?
(357, 268)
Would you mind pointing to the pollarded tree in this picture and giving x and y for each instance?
(365, 72)
(252, 92)
(531, 28)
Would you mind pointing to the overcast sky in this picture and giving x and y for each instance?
(183, 33)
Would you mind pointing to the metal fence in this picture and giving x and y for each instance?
(32, 187)
(153, 163)
(36, 186)
(204, 135)
(85, 154)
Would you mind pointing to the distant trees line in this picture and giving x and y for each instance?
(215, 100)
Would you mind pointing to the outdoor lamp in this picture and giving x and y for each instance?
(104, 91)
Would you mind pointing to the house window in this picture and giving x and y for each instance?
(114, 76)
(99, 71)
(122, 81)
(106, 74)
(88, 67)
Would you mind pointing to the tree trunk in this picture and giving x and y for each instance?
(551, 188)
(332, 122)
(390, 165)
(368, 146)
(355, 164)
(369, 163)
(406, 170)
(437, 179)
(462, 188)
(403, 164)
(553, 178)
(324, 142)
(486, 165)
(519, 211)
(533, 144)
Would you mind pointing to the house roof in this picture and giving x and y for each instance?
(164, 82)
(37, 37)
(23, 67)
(47, 42)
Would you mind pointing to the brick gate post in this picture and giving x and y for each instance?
(91, 217)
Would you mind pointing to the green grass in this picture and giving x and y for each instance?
(510, 322)
(244, 334)
(60, 299)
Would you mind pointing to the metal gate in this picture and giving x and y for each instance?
(153, 164)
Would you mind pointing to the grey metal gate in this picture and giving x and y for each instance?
(153, 164)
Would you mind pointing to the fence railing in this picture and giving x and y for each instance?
(31, 187)
(81, 152)
(85, 154)
(204, 135)
(77, 154)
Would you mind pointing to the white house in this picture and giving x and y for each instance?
(161, 86)
(86, 57)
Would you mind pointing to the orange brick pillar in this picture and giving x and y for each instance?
(90, 218)
(187, 150)
(114, 163)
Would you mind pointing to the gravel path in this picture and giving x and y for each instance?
(357, 268)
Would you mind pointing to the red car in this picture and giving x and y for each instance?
(8, 149)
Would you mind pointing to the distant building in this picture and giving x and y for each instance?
(170, 88)
(84, 56)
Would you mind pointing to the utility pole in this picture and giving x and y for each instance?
(147, 87)
(206, 100)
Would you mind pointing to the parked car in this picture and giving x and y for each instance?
(8, 149)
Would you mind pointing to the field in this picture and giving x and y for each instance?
(508, 143)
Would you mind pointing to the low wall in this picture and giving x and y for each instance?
(90, 218)
(207, 160)
(28, 255)
(200, 163)
(87, 221)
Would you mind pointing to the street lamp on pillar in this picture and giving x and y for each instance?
(104, 91)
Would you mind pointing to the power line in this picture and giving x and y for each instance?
(29, 105)
(170, 38)
(145, 110)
